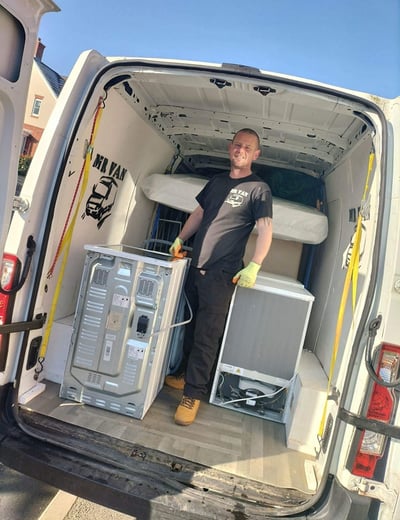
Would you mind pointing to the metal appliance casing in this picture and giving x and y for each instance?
(125, 313)
(262, 344)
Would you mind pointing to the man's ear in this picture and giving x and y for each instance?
(256, 155)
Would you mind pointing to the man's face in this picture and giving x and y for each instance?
(243, 150)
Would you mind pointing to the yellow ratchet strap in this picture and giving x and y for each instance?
(65, 240)
(351, 275)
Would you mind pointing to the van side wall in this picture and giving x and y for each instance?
(344, 191)
(125, 149)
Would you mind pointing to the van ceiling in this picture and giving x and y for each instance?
(301, 130)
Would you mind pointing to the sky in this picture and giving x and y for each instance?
(348, 43)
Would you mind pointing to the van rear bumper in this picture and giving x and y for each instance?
(147, 485)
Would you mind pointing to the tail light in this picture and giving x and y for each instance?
(381, 407)
(10, 272)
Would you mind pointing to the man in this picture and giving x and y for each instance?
(229, 207)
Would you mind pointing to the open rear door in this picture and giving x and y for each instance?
(19, 23)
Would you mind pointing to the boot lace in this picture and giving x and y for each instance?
(188, 402)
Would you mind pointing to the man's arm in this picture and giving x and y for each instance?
(192, 224)
(264, 239)
(247, 277)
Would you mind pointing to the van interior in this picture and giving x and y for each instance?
(146, 139)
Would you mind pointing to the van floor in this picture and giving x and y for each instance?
(234, 442)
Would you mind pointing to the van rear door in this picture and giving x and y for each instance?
(20, 32)
(19, 23)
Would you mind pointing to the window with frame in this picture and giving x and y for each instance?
(37, 103)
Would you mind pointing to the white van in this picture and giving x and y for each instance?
(302, 419)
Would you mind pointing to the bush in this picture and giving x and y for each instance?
(23, 164)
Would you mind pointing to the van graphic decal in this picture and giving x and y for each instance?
(101, 201)
(114, 170)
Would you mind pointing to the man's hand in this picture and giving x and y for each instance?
(247, 276)
(176, 248)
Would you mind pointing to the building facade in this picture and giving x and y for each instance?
(44, 89)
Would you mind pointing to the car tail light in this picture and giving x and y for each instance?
(381, 407)
(10, 272)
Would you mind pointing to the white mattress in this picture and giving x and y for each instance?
(291, 221)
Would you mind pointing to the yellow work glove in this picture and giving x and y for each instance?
(247, 276)
(176, 248)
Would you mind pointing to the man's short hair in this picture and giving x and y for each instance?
(251, 132)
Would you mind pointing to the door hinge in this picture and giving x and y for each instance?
(220, 83)
(20, 204)
(334, 395)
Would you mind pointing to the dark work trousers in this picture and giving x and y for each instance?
(209, 294)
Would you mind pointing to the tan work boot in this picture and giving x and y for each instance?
(187, 410)
(177, 382)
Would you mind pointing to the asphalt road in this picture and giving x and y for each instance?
(24, 498)
(21, 497)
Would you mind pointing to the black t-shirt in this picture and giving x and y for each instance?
(231, 208)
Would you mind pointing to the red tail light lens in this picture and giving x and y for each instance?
(381, 406)
(11, 267)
